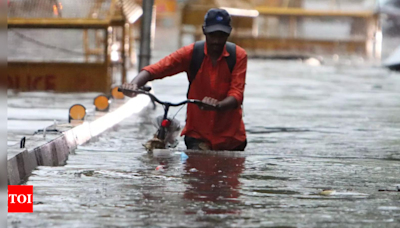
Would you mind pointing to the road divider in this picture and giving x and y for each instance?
(54, 148)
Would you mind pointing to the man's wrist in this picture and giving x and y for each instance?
(218, 106)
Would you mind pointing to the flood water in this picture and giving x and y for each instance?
(310, 128)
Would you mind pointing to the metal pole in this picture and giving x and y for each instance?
(123, 54)
(107, 61)
(145, 34)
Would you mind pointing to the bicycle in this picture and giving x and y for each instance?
(167, 128)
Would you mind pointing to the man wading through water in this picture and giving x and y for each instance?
(217, 72)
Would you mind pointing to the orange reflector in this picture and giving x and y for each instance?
(77, 112)
(117, 95)
(102, 103)
(55, 10)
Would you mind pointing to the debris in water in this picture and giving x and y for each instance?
(160, 168)
(389, 190)
(327, 192)
(193, 170)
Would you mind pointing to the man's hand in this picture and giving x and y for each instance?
(129, 86)
(210, 101)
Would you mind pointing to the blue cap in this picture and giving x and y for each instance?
(217, 20)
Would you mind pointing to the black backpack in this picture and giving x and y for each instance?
(198, 56)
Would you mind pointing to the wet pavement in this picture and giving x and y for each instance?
(310, 128)
(28, 112)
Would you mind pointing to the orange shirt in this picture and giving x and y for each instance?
(223, 130)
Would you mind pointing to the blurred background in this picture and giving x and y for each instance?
(64, 45)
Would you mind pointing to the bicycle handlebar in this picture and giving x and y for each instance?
(145, 89)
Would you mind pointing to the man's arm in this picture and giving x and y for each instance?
(227, 103)
(235, 93)
(172, 64)
(142, 78)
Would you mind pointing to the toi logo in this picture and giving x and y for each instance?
(20, 199)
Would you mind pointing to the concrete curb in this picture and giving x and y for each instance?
(55, 152)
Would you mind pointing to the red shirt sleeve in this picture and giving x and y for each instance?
(239, 76)
(172, 64)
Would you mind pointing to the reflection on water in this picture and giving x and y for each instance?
(213, 179)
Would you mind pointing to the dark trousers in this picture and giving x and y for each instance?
(193, 144)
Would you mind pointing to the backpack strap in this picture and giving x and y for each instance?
(197, 59)
(231, 59)
(195, 63)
